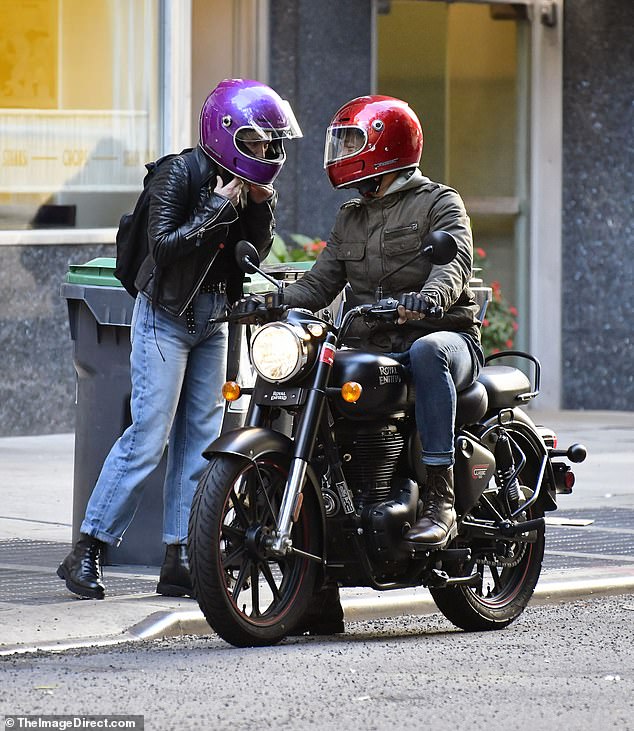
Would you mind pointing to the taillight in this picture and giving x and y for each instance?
(570, 480)
(564, 478)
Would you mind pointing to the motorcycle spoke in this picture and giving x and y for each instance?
(233, 533)
(239, 509)
(268, 504)
(497, 583)
(240, 581)
(255, 591)
(270, 580)
(229, 560)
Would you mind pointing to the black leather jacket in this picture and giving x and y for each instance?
(187, 247)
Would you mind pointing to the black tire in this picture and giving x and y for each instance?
(249, 598)
(505, 590)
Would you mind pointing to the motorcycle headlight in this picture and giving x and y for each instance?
(278, 352)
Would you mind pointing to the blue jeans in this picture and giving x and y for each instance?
(176, 383)
(441, 364)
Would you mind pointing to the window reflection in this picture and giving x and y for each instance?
(79, 109)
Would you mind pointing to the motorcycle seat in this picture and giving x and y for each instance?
(504, 385)
(471, 404)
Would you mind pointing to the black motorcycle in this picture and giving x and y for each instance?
(322, 482)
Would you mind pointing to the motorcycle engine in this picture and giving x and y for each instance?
(369, 456)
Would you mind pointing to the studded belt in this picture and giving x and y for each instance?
(210, 288)
(213, 288)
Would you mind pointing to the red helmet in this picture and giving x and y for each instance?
(370, 136)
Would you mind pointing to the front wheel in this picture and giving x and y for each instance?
(249, 597)
(508, 572)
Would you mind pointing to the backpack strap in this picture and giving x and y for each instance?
(195, 176)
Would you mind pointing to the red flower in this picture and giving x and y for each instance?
(513, 311)
(481, 253)
(509, 343)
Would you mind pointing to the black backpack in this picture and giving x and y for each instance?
(132, 240)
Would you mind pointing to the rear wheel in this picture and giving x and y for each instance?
(509, 570)
(248, 596)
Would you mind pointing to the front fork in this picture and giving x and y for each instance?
(305, 436)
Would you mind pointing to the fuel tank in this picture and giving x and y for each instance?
(384, 382)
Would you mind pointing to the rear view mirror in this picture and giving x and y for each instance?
(440, 247)
(247, 257)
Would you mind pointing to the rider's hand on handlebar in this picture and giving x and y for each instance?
(248, 305)
(414, 306)
(258, 307)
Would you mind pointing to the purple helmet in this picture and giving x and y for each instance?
(238, 113)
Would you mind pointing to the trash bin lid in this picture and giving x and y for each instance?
(95, 284)
(99, 272)
(289, 271)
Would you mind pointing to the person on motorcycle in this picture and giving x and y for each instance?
(374, 144)
(178, 358)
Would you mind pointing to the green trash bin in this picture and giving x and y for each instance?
(100, 313)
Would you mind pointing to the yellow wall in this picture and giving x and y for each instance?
(28, 54)
(87, 61)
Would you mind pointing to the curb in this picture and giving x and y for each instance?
(378, 605)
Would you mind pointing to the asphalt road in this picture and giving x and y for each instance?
(559, 666)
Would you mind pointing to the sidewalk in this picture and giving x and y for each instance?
(36, 611)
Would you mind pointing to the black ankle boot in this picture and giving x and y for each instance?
(437, 526)
(324, 615)
(175, 579)
(81, 569)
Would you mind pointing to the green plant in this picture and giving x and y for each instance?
(500, 321)
(303, 248)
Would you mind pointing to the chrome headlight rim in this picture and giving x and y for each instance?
(298, 339)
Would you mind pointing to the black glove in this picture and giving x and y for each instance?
(247, 305)
(415, 302)
(416, 306)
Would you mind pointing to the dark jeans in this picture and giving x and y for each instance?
(441, 364)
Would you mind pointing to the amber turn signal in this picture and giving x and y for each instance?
(230, 391)
(351, 391)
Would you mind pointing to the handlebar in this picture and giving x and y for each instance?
(385, 310)
(388, 308)
(270, 309)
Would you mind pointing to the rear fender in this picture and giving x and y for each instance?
(526, 433)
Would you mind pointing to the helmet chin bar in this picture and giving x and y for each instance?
(368, 186)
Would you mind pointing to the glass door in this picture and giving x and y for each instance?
(463, 68)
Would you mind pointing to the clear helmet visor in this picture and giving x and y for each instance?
(262, 138)
(342, 142)
(260, 144)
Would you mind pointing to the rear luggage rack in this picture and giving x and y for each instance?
(537, 369)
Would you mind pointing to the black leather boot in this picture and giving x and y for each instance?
(175, 579)
(81, 569)
(437, 526)
(324, 615)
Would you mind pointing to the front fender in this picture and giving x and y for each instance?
(253, 442)
(250, 442)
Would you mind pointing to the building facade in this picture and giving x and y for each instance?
(527, 108)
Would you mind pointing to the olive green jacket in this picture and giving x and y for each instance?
(372, 237)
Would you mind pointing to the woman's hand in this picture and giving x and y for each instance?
(231, 190)
(260, 193)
